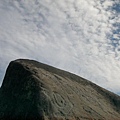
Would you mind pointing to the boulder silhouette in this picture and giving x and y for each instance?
(35, 91)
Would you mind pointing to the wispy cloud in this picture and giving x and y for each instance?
(81, 36)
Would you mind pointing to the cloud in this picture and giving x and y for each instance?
(81, 36)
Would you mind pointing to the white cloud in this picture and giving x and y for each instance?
(75, 35)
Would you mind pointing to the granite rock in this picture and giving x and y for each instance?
(35, 91)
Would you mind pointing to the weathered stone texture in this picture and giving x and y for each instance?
(35, 91)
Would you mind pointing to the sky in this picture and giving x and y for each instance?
(79, 36)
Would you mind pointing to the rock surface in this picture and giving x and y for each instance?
(35, 91)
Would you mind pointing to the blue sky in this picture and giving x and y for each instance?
(80, 36)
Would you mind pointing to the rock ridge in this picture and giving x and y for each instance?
(36, 91)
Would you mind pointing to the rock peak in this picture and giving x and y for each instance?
(35, 91)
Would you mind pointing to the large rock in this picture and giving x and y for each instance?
(35, 91)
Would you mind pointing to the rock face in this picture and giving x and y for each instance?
(35, 91)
